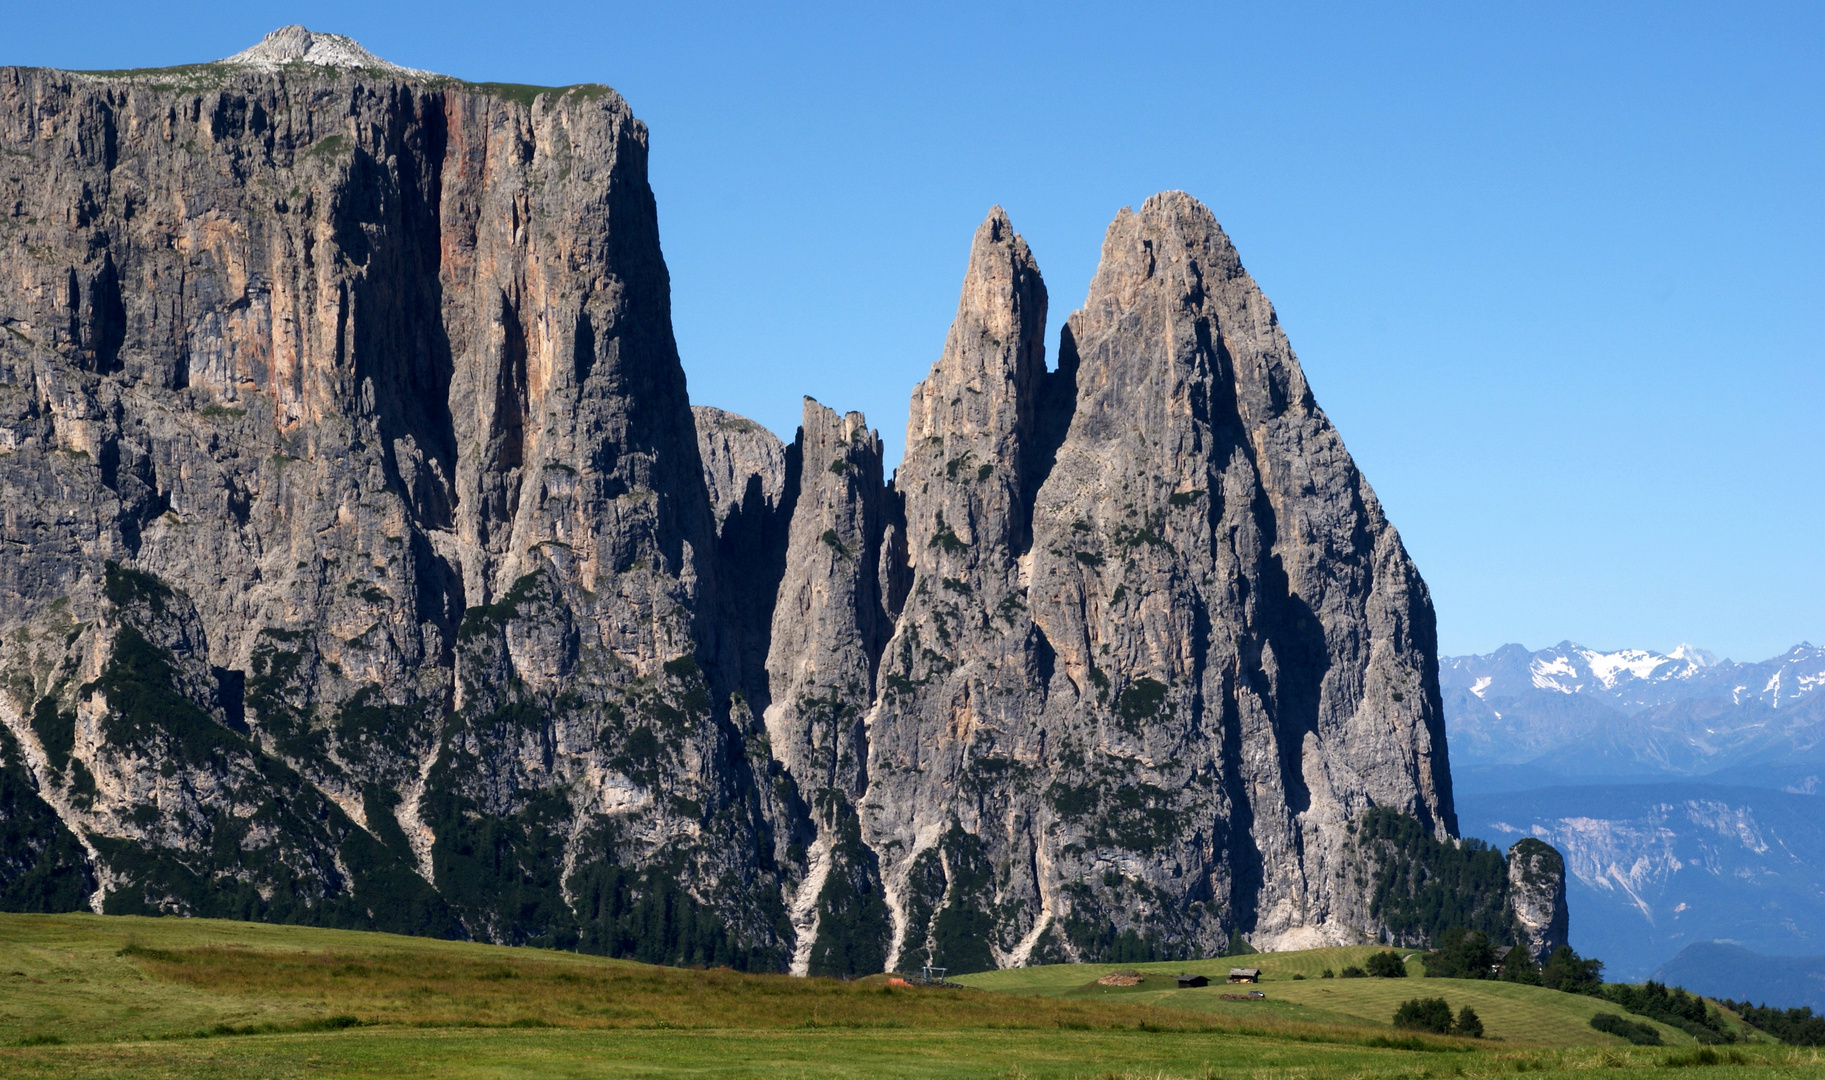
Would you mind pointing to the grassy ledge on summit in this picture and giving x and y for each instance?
(194, 78)
(296, 51)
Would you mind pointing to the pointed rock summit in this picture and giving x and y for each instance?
(368, 566)
(1154, 687)
(296, 45)
(1211, 566)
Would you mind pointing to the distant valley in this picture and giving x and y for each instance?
(1683, 790)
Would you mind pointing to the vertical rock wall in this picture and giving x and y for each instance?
(828, 626)
(372, 373)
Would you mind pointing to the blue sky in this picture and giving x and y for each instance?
(1556, 271)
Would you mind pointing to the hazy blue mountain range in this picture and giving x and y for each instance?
(1720, 969)
(1683, 790)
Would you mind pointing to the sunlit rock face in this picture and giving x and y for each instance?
(1160, 645)
(365, 381)
(369, 566)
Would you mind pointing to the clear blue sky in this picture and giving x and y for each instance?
(1555, 270)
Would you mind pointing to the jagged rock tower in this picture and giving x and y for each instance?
(1160, 646)
(367, 565)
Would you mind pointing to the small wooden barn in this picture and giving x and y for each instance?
(1187, 982)
(1245, 975)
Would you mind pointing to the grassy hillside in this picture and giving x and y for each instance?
(1511, 1013)
(87, 978)
(84, 996)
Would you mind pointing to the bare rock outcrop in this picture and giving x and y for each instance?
(1536, 892)
(744, 464)
(1208, 548)
(753, 482)
(296, 45)
(952, 732)
(828, 628)
(1140, 711)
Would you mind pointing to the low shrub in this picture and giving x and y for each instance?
(1425, 1014)
(1387, 965)
(1635, 1033)
(1434, 1015)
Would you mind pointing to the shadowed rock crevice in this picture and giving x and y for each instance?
(752, 481)
(400, 349)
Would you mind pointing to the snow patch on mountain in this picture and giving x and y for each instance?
(1548, 673)
(1635, 679)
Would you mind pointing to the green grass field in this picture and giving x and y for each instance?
(87, 996)
(1513, 1014)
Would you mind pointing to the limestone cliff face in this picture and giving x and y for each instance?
(1271, 618)
(828, 626)
(367, 564)
(368, 376)
(954, 752)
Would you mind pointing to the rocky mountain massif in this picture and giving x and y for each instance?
(366, 564)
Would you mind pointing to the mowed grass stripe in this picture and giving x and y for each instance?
(409, 1054)
(1063, 978)
(1510, 1012)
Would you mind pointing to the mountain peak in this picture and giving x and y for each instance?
(297, 45)
(1694, 655)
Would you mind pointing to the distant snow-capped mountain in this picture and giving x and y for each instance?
(1634, 679)
(1571, 713)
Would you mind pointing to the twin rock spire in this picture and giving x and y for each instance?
(1123, 648)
